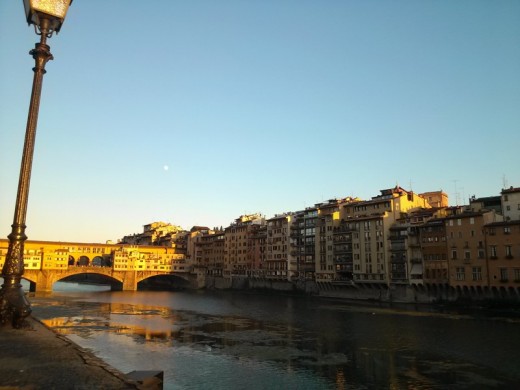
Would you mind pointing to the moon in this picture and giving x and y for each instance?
(166, 167)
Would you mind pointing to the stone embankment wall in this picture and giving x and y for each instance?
(366, 292)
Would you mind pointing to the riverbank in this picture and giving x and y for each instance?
(37, 358)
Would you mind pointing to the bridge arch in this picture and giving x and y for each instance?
(43, 280)
(72, 271)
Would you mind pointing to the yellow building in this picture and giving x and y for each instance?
(370, 222)
(49, 255)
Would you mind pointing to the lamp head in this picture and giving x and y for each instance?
(49, 14)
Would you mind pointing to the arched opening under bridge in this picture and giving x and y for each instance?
(163, 283)
(82, 281)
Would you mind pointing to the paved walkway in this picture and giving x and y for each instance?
(38, 358)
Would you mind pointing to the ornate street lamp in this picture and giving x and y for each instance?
(47, 17)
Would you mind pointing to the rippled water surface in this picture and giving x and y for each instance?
(232, 340)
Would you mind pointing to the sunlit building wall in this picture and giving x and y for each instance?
(238, 257)
(58, 259)
(502, 243)
(466, 247)
(279, 262)
(211, 247)
(511, 204)
(436, 199)
(371, 222)
(328, 215)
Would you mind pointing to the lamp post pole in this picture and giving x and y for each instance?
(14, 305)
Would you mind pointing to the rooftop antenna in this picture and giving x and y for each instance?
(504, 182)
(456, 192)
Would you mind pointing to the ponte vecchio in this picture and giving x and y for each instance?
(47, 262)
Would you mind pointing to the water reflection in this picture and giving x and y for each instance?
(260, 342)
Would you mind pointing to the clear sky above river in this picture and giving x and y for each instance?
(195, 112)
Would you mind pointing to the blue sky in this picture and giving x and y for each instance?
(255, 106)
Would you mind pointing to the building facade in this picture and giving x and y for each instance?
(239, 257)
(466, 247)
(279, 261)
(502, 241)
(511, 203)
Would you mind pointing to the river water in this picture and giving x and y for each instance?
(236, 340)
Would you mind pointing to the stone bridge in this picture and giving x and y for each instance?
(43, 280)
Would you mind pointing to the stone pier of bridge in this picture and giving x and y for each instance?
(130, 281)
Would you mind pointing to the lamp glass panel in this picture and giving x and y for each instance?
(57, 8)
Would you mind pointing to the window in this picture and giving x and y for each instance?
(481, 253)
(493, 251)
(472, 221)
(477, 273)
(454, 255)
(503, 275)
(517, 274)
(509, 252)
(507, 230)
(467, 255)
(460, 273)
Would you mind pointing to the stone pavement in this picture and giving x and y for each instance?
(38, 358)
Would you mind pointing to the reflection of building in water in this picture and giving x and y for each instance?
(146, 333)
(341, 382)
(148, 326)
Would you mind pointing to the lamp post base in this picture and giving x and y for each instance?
(14, 305)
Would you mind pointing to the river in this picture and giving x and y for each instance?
(236, 340)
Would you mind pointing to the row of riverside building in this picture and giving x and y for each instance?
(395, 238)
